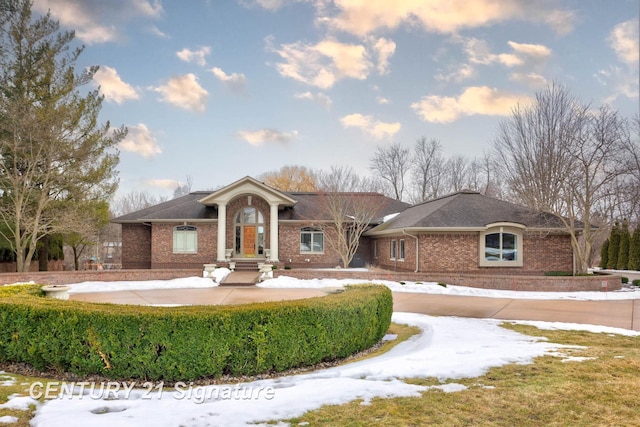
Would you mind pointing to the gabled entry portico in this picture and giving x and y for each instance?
(253, 209)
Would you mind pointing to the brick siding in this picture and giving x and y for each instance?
(162, 243)
(459, 252)
(136, 247)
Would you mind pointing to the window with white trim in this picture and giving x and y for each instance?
(185, 239)
(394, 247)
(501, 247)
(311, 240)
(401, 257)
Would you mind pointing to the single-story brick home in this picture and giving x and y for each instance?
(465, 232)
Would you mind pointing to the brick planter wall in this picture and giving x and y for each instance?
(503, 282)
(483, 281)
(67, 277)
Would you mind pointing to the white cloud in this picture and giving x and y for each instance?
(365, 17)
(140, 140)
(324, 63)
(474, 100)
(622, 80)
(624, 41)
(112, 86)
(234, 81)
(523, 54)
(165, 184)
(530, 79)
(184, 92)
(457, 73)
(97, 21)
(266, 4)
(259, 137)
(385, 49)
(197, 56)
(370, 126)
(317, 97)
(382, 100)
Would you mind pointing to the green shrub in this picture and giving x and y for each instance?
(636, 282)
(558, 273)
(189, 342)
(444, 285)
(625, 279)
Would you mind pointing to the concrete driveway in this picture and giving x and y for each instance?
(620, 313)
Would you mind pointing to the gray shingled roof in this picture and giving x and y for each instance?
(182, 208)
(467, 209)
(189, 208)
(309, 206)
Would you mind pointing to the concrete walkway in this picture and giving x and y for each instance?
(620, 314)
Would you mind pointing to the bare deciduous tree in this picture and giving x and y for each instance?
(350, 205)
(391, 164)
(558, 157)
(456, 168)
(134, 201)
(427, 168)
(184, 189)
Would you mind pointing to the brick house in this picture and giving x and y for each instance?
(248, 220)
(467, 232)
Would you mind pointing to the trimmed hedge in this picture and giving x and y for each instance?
(189, 342)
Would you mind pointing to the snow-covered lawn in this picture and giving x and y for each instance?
(448, 348)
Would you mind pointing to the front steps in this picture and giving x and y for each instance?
(241, 278)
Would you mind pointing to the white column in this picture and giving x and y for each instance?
(273, 228)
(222, 231)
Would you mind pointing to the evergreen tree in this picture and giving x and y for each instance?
(614, 246)
(634, 250)
(604, 254)
(54, 153)
(623, 251)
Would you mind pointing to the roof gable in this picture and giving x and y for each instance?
(247, 185)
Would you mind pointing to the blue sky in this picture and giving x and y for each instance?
(220, 89)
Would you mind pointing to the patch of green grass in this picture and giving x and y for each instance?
(600, 391)
(12, 384)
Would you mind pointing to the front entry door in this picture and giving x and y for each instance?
(249, 241)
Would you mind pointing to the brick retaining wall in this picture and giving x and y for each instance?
(483, 281)
(66, 277)
(502, 282)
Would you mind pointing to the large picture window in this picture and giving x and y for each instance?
(185, 239)
(311, 240)
(501, 247)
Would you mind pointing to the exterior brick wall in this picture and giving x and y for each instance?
(136, 248)
(484, 281)
(162, 244)
(289, 249)
(459, 252)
